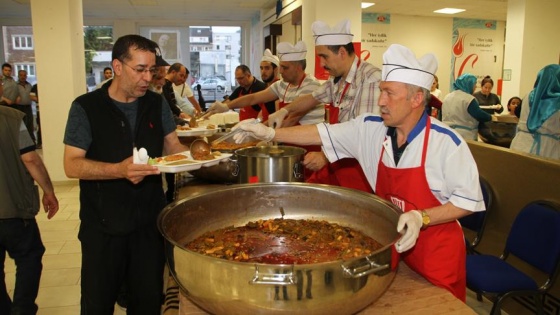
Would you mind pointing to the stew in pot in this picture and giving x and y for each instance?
(285, 241)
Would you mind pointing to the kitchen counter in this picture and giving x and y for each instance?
(408, 294)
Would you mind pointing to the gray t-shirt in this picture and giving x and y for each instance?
(78, 130)
(26, 144)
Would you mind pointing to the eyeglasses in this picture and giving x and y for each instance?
(141, 69)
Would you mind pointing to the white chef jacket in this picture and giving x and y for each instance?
(450, 167)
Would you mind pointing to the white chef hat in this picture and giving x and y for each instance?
(338, 35)
(268, 56)
(400, 65)
(289, 52)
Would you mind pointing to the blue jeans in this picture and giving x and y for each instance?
(22, 241)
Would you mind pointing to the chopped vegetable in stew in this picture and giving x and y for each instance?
(285, 241)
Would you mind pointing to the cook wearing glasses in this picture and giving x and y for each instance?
(120, 200)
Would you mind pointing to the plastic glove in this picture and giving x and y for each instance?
(413, 222)
(251, 128)
(218, 107)
(275, 120)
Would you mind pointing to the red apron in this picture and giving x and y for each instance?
(345, 172)
(439, 254)
(247, 112)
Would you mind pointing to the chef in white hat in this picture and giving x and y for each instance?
(269, 67)
(295, 82)
(410, 159)
(351, 90)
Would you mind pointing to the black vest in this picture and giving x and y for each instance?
(117, 206)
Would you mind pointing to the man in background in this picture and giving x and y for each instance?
(24, 102)
(269, 68)
(34, 95)
(107, 75)
(20, 166)
(10, 92)
(248, 84)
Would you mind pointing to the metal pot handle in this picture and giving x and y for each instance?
(282, 279)
(369, 266)
(298, 170)
(235, 170)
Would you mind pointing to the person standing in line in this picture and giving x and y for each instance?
(460, 109)
(184, 91)
(10, 91)
(24, 102)
(119, 199)
(20, 168)
(107, 75)
(411, 160)
(538, 130)
(485, 97)
(352, 89)
(513, 104)
(34, 95)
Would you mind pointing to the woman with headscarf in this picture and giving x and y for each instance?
(460, 109)
(538, 130)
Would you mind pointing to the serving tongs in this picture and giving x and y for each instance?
(232, 133)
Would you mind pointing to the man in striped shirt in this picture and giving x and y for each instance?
(352, 89)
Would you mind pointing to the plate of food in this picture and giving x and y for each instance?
(202, 131)
(183, 162)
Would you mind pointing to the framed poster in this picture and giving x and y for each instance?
(169, 44)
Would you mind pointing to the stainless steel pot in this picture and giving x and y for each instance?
(497, 132)
(227, 287)
(270, 164)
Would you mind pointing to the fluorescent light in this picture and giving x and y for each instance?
(104, 37)
(449, 11)
(367, 4)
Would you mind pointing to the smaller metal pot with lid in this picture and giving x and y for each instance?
(270, 164)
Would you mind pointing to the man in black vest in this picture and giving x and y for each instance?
(120, 200)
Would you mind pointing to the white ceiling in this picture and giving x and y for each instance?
(244, 10)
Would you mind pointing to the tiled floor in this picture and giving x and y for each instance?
(59, 292)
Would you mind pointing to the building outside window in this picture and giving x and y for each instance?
(23, 42)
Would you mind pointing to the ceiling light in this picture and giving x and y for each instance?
(449, 11)
(367, 4)
(104, 37)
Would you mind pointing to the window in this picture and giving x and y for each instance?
(23, 42)
(30, 68)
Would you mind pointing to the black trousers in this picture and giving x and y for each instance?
(22, 241)
(108, 261)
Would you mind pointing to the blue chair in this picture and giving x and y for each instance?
(477, 220)
(534, 238)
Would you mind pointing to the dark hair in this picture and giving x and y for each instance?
(177, 68)
(349, 48)
(107, 68)
(6, 65)
(487, 79)
(121, 48)
(244, 69)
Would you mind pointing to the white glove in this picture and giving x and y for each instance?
(413, 222)
(252, 128)
(218, 107)
(140, 156)
(275, 119)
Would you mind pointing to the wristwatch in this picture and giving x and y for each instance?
(425, 219)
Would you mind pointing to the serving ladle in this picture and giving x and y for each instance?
(200, 148)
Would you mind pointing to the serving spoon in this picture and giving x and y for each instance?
(200, 148)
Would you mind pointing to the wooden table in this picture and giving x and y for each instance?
(408, 294)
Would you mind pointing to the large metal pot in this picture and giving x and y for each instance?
(270, 164)
(499, 133)
(227, 287)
